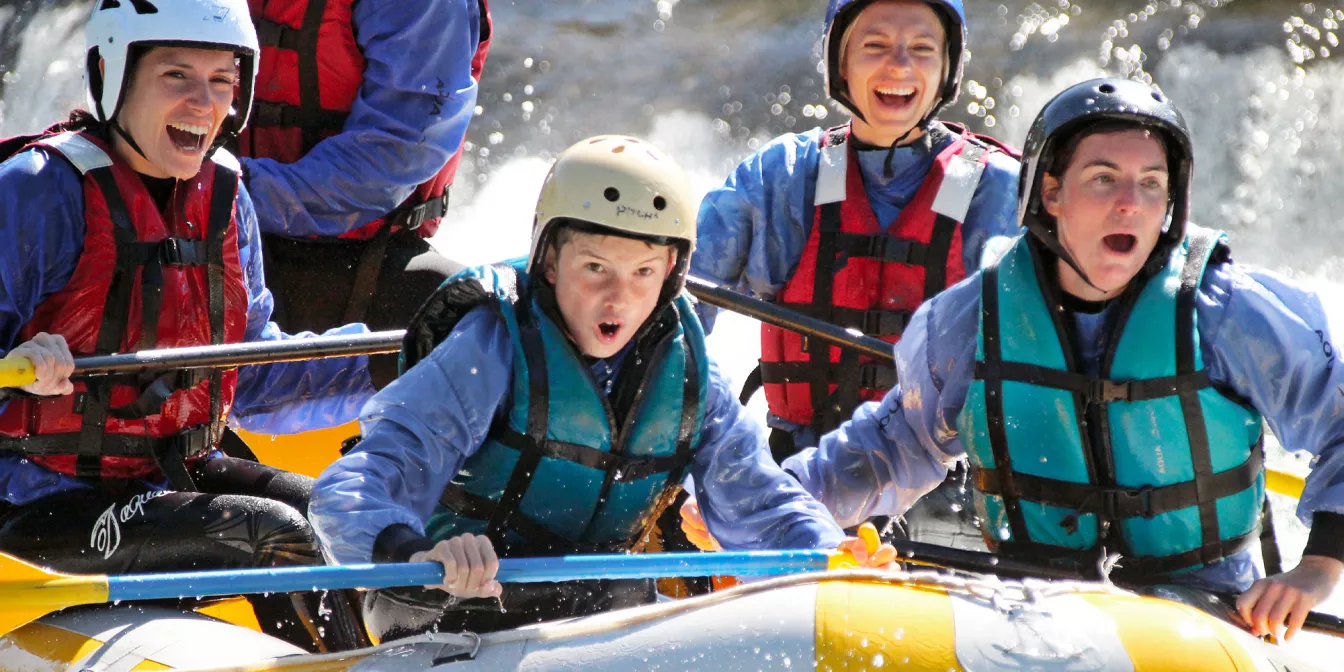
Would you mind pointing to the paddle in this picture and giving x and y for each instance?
(19, 371)
(28, 592)
(717, 295)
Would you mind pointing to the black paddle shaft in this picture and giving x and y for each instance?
(233, 355)
(722, 297)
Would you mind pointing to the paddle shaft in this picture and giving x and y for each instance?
(717, 295)
(511, 570)
(19, 371)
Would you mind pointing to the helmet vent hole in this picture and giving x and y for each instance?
(618, 149)
(1157, 96)
(1106, 88)
(653, 156)
(594, 141)
(612, 194)
(659, 203)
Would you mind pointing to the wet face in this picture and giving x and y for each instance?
(1109, 206)
(893, 66)
(174, 107)
(606, 287)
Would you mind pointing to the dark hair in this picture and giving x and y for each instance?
(1059, 163)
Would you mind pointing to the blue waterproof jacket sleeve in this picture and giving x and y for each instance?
(752, 230)
(290, 397)
(1261, 335)
(410, 117)
(748, 501)
(418, 432)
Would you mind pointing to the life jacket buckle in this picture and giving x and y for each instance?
(1105, 391)
(1129, 502)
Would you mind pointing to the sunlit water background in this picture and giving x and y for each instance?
(710, 80)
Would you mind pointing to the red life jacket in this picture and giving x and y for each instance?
(854, 275)
(145, 279)
(310, 71)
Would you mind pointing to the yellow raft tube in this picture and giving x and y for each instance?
(846, 620)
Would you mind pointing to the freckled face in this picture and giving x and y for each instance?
(606, 288)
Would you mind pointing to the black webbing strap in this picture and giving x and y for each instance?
(1191, 407)
(823, 291)
(623, 468)
(154, 391)
(998, 436)
(1121, 502)
(538, 539)
(690, 418)
(872, 375)
(944, 230)
(267, 114)
(1093, 390)
(410, 217)
(273, 34)
(116, 310)
(1145, 568)
(367, 270)
(1269, 541)
(222, 196)
(882, 247)
(310, 85)
(538, 412)
(192, 442)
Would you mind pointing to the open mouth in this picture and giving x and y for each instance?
(189, 138)
(1120, 243)
(895, 96)
(607, 331)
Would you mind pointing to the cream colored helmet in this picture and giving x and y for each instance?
(621, 184)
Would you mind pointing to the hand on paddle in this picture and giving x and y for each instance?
(866, 550)
(1289, 597)
(52, 364)
(693, 524)
(469, 566)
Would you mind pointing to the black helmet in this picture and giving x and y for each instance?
(1086, 104)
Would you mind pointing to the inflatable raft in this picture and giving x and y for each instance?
(826, 621)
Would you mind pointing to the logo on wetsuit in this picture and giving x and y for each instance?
(106, 535)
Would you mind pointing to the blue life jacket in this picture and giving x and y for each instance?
(565, 469)
(1147, 460)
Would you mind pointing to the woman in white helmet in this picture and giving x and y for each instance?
(127, 229)
(552, 405)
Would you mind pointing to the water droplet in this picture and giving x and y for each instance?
(879, 661)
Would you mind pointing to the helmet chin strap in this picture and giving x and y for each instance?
(127, 137)
(1052, 243)
(923, 125)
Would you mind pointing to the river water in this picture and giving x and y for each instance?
(709, 81)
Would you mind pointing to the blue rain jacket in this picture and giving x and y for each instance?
(41, 239)
(420, 430)
(751, 231)
(393, 140)
(1261, 335)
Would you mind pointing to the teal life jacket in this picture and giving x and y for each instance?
(1147, 459)
(565, 468)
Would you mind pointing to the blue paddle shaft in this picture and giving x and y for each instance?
(511, 570)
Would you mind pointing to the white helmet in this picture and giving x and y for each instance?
(116, 25)
(621, 185)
